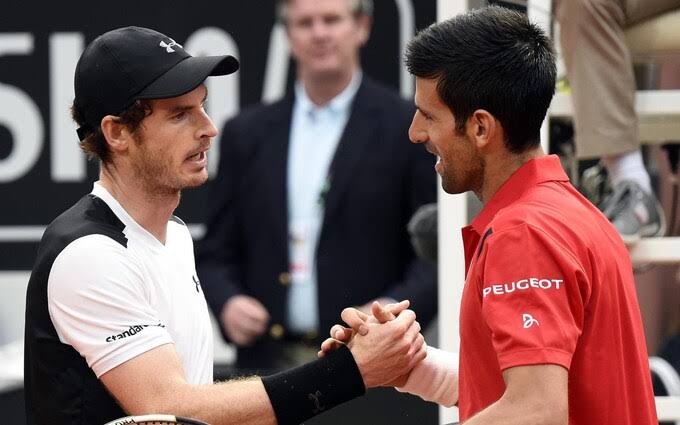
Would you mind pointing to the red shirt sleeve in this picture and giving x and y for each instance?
(531, 289)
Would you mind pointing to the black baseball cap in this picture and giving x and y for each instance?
(132, 63)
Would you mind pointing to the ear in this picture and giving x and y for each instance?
(117, 135)
(364, 24)
(483, 128)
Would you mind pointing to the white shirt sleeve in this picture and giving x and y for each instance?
(99, 304)
(435, 378)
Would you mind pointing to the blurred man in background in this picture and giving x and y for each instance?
(310, 207)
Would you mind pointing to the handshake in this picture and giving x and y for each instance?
(386, 344)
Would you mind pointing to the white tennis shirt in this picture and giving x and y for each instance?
(112, 302)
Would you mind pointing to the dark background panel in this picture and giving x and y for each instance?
(35, 199)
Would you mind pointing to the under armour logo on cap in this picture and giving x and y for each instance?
(168, 47)
(126, 64)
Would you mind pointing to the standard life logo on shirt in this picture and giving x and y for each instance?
(530, 283)
(132, 330)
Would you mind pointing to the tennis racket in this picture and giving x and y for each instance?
(155, 420)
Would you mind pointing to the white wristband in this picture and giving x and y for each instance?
(435, 378)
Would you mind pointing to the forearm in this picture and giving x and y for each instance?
(153, 382)
(238, 402)
(287, 398)
(435, 378)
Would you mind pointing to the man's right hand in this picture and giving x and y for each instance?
(388, 351)
(244, 319)
(358, 325)
(357, 321)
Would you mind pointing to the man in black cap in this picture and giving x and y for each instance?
(116, 321)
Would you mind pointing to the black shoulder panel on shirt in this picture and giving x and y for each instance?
(79, 398)
(481, 243)
(89, 216)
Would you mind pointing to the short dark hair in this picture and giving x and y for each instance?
(359, 8)
(94, 145)
(493, 59)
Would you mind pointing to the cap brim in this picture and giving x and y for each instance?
(187, 75)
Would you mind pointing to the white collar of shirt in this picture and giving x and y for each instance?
(100, 192)
(339, 104)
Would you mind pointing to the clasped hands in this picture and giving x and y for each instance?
(386, 344)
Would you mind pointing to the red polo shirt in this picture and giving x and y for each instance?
(549, 281)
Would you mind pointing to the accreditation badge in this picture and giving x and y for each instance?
(301, 251)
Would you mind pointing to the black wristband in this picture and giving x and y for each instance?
(303, 392)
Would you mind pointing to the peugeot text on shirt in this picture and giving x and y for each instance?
(521, 285)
